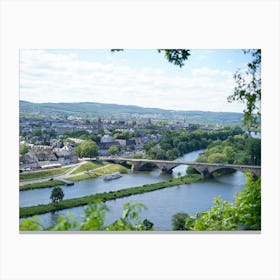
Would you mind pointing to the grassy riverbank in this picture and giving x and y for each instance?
(42, 174)
(41, 185)
(99, 172)
(89, 166)
(74, 202)
(111, 168)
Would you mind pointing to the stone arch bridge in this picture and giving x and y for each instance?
(166, 166)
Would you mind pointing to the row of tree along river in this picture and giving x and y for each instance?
(161, 204)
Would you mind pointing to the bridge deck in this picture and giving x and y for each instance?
(182, 162)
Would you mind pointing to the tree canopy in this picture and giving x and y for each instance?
(87, 148)
(24, 149)
(57, 194)
(248, 88)
(174, 56)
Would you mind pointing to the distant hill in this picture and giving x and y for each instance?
(92, 109)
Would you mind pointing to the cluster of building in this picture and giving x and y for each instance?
(46, 157)
(43, 136)
(47, 149)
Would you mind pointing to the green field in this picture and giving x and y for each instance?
(89, 166)
(46, 184)
(42, 174)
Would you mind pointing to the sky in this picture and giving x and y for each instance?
(132, 77)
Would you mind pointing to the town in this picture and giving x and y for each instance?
(52, 141)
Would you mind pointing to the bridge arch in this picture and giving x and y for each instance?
(144, 166)
(207, 171)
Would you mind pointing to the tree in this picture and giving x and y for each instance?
(248, 88)
(148, 224)
(87, 148)
(175, 56)
(229, 153)
(52, 133)
(253, 148)
(37, 132)
(172, 154)
(179, 221)
(24, 149)
(57, 194)
(113, 150)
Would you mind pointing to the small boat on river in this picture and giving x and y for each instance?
(112, 176)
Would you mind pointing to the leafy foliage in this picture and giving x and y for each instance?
(113, 150)
(81, 134)
(66, 222)
(87, 148)
(238, 149)
(248, 88)
(177, 143)
(33, 223)
(179, 221)
(176, 56)
(244, 213)
(57, 194)
(94, 220)
(95, 216)
(24, 149)
(130, 218)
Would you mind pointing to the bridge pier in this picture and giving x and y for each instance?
(206, 174)
(165, 170)
(136, 167)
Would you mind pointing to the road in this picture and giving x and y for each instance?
(65, 175)
(59, 176)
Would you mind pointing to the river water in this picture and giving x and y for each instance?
(161, 204)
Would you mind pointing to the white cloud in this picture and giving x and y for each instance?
(205, 71)
(49, 77)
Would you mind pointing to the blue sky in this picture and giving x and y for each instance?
(132, 77)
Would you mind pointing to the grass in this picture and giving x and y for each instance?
(111, 169)
(100, 172)
(46, 184)
(89, 166)
(74, 202)
(42, 174)
(82, 177)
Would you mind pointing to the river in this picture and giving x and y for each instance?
(161, 204)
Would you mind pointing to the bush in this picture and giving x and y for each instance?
(179, 221)
(94, 219)
(244, 213)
